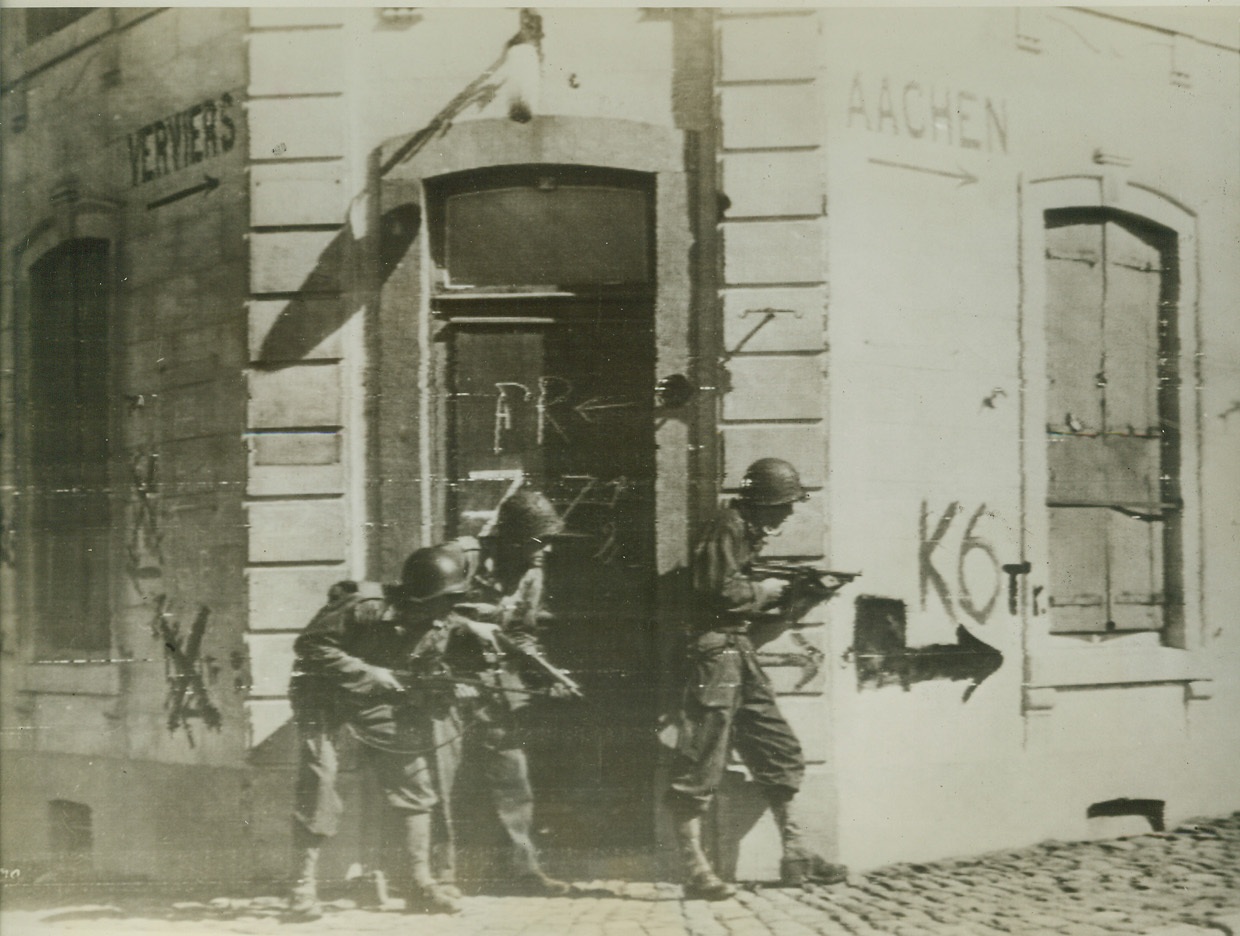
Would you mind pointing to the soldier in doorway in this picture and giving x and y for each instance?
(507, 582)
(376, 662)
(728, 700)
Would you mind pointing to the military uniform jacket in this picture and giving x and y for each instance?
(516, 607)
(726, 596)
(337, 654)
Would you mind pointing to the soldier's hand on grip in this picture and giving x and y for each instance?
(773, 590)
(483, 631)
(385, 680)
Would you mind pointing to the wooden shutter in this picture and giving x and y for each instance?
(1111, 451)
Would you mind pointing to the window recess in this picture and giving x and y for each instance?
(541, 232)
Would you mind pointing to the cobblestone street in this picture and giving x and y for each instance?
(1180, 883)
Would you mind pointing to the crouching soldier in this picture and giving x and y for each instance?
(373, 661)
(728, 700)
(507, 585)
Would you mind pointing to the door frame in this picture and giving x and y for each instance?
(399, 308)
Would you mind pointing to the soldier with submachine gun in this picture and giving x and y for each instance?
(728, 701)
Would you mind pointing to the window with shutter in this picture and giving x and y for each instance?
(68, 385)
(1112, 423)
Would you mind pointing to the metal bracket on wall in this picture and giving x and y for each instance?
(1037, 700)
(1198, 690)
(768, 316)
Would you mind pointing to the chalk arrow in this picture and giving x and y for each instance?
(207, 185)
(965, 177)
(594, 405)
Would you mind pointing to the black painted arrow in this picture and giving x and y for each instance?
(208, 184)
(966, 178)
(883, 656)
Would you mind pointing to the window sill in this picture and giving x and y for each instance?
(1103, 665)
(84, 677)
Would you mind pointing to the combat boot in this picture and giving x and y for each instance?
(530, 879)
(430, 898)
(540, 884)
(810, 869)
(423, 894)
(701, 882)
(303, 899)
(800, 865)
(443, 857)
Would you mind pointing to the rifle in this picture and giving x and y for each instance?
(545, 666)
(560, 677)
(806, 578)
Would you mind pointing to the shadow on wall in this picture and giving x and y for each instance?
(318, 309)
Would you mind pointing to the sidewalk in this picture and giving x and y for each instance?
(1180, 883)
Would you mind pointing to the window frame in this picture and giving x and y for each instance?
(1140, 658)
(73, 260)
(51, 668)
(448, 299)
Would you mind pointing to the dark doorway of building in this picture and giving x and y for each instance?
(545, 283)
(565, 408)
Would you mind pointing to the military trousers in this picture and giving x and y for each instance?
(316, 803)
(729, 703)
(408, 773)
(487, 774)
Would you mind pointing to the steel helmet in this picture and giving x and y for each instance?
(432, 572)
(525, 516)
(772, 481)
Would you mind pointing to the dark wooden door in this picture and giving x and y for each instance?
(559, 396)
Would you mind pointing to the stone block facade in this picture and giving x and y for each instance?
(847, 214)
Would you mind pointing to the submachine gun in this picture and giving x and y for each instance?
(807, 583)
(534, 657)
(443, 676)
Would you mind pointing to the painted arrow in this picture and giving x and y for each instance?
(208, 184)
(965, 177)
(884, 657)
(594, 405)
(810, 660)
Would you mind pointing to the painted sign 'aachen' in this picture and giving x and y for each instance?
(292, 295)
